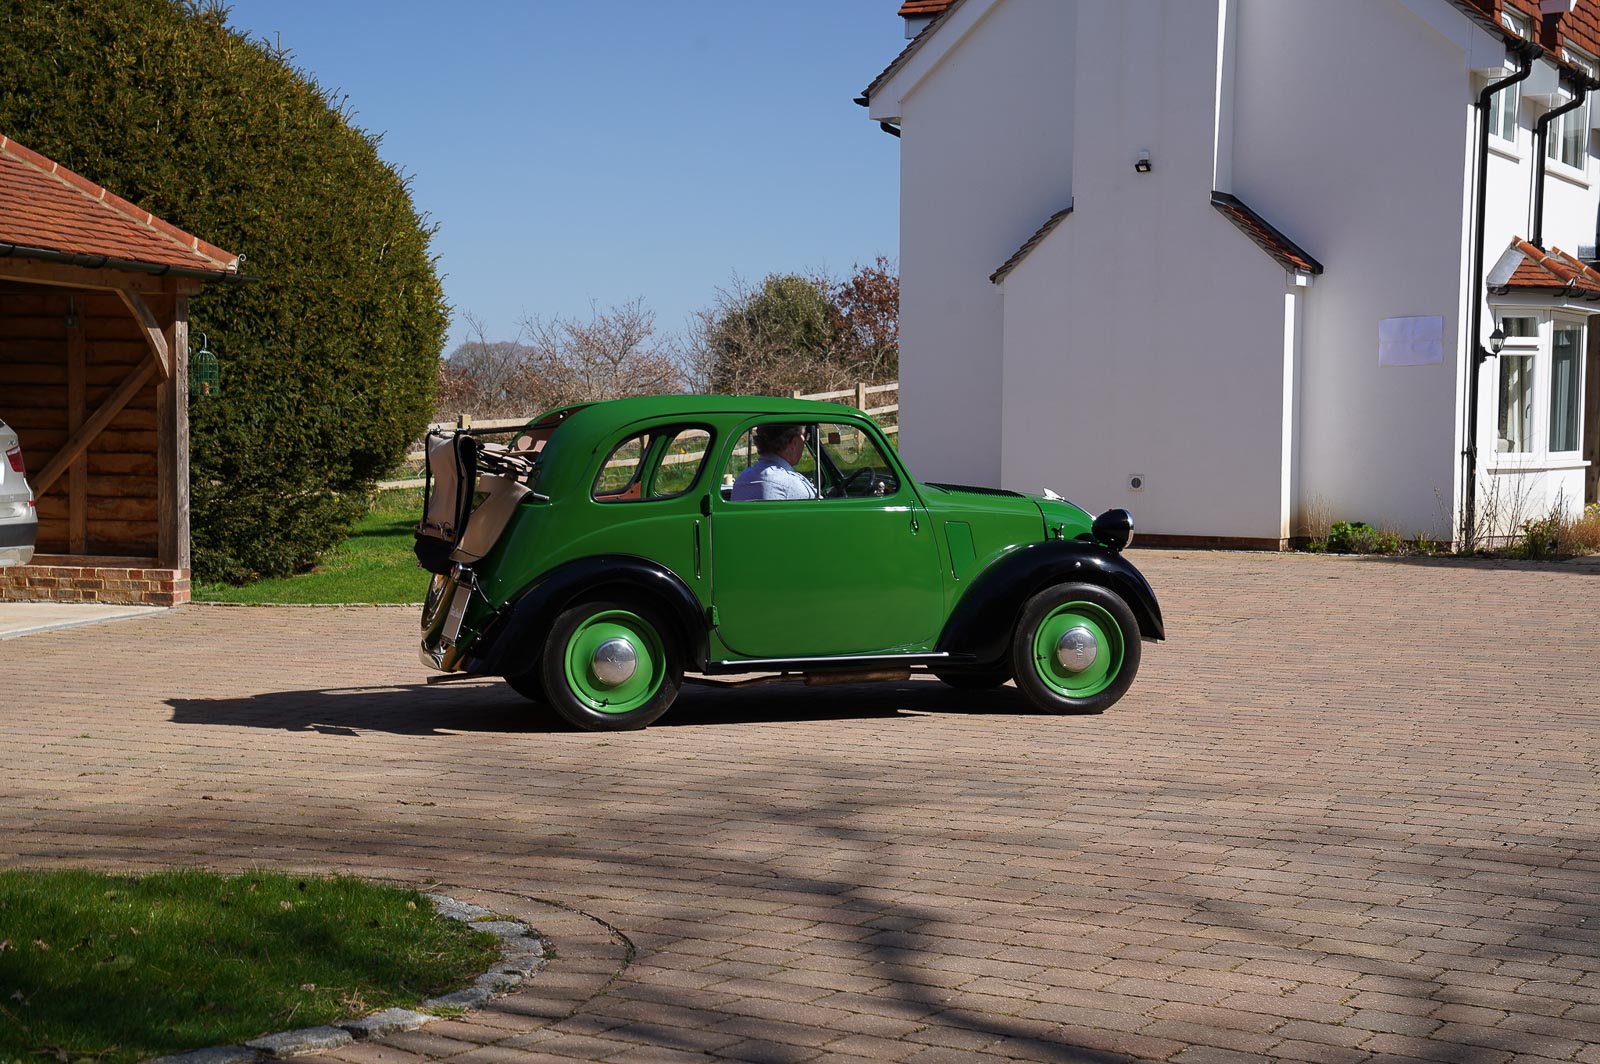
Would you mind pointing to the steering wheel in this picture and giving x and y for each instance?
(860, 483)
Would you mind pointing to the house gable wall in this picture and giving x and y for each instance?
(985, 158)
(1352, 133)
(1145, 334)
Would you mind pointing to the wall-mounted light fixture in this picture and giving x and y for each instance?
(1497, 340)
(1143, 165)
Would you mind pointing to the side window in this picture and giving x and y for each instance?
(618, 480)
(853, 466)
(662, 463)
(681, 462)
(747, 453)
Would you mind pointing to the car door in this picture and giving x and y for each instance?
(854, 571)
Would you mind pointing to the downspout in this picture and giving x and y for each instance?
(1541, 135)
(1525, 53)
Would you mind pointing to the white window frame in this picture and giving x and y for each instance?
(1540, 348)
(1574, 123)
(1504, 106)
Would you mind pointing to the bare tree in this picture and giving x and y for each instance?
(806, 333)
(553, 361)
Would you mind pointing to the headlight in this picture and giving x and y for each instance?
(1114, 529)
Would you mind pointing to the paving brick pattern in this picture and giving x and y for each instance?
(1348, 812)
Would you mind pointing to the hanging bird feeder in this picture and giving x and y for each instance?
(205, 374)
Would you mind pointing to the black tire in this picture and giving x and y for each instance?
(577, 693)
(976, 680)
(1050, 614)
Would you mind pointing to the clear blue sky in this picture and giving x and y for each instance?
(600, 150)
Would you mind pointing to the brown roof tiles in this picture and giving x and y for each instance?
(1288, 254)
(1528, 267)
(46, 207)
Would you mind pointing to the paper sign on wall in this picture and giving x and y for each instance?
(1410, 341)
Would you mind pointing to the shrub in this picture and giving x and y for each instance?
(329, 359)
(1585, 531)
(1358, 537)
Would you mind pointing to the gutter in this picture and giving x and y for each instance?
(97, 262)
(1541, 135)
(1525, 52)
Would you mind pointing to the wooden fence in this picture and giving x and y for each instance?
(861, 394)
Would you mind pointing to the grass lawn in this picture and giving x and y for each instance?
(374, 565)
(119, 968)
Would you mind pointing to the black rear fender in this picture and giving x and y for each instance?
(979, 629)
(513, 642)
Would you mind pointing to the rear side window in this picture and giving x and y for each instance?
(656, 464)
(619, 479)
(681, 461)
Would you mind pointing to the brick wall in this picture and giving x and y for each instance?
(59, 580)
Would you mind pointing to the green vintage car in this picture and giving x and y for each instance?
(611, 548)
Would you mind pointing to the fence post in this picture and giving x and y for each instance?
(798, 393)
(861, 396)
(463, 421)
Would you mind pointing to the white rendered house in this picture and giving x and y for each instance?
(1221, 261)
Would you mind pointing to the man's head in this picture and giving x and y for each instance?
(781, 441)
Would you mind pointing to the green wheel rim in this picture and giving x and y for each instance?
(1107, 636)
(632, 693)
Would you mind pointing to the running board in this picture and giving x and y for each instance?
(849, 661)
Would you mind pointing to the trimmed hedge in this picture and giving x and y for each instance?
(330, 358)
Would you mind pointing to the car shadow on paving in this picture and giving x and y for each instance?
(491, 706)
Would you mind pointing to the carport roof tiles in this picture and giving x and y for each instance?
(46, 207)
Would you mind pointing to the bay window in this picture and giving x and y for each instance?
(1539, 392)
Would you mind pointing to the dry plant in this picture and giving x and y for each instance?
(1316, 520)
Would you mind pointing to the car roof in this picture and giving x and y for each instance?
(602, 417)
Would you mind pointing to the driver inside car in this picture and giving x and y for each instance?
(773, 476)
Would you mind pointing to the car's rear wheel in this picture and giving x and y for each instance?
(1075, 648)
(610, 666)
(975, 679)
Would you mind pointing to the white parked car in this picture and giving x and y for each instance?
(19, 524)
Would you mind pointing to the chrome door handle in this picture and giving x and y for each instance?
(915, 528)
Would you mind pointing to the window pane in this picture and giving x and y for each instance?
(746, 454)
(1519, 327)
(855, 468)
(1564, 391)
(1516, 404)
(680, 463)
(1575, 136)
(1503, 113)
(619, 476)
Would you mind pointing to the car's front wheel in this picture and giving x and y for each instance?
(610, 666)
(1075, 648)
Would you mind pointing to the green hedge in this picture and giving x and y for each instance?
(329, 359)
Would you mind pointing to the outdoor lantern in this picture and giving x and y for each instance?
(205, 375)
(1497, 340)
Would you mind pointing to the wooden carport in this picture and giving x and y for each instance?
(94, 350)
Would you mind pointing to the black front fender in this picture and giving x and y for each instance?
(514, 640)
(979, 628)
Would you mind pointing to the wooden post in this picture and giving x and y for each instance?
(861, 396)
(172, 441)
(77, 411)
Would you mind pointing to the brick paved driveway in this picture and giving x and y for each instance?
(1349, 811)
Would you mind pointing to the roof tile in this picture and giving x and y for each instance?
(1552, 270)
(47, 207)
(1288, 254)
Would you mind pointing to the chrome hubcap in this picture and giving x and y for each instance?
(614, 662)
(1077, 649)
